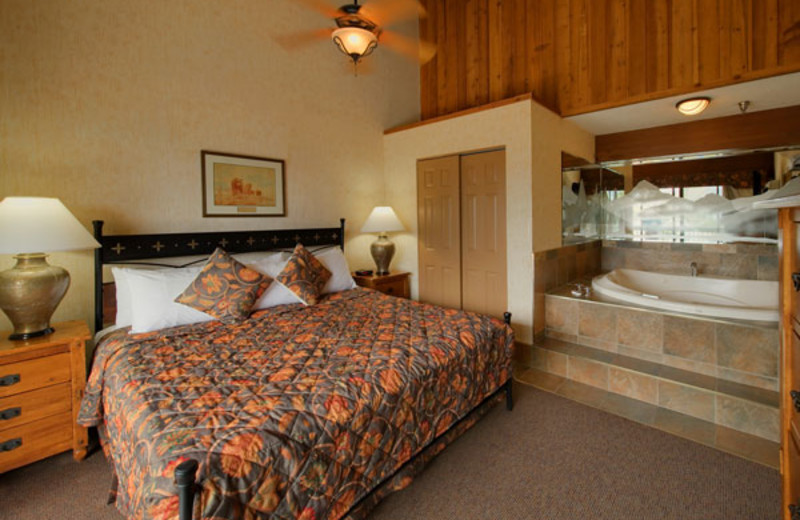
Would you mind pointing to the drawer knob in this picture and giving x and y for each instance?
(10, 413)
(11, 379)
(12, 444)
(795, 395)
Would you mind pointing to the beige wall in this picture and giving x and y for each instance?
(106, 104)
(551, 135)
(533, 138)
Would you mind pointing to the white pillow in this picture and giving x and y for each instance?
(260, 256)
(152, 299)
(276, 294)
(341, 280)
(124, 304)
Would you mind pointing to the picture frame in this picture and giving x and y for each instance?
(242, 185)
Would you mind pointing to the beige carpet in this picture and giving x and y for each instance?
(548, 459)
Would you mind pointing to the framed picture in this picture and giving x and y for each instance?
(242, 186)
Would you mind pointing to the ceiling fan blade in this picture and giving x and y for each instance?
(322, 7)
(386, 12)
(301, 39)
(421, 51)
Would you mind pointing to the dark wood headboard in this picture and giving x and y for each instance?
(121, 249)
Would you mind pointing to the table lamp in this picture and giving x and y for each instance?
(32, 289)
(382, 220)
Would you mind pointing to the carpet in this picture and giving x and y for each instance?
(550, 458)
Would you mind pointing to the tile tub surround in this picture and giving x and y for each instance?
(556, 267)
(738, 260)
(739, 407)
(737, 351)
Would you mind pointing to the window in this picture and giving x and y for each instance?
(693, 192)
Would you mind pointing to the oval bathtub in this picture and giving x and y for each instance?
(700, 295)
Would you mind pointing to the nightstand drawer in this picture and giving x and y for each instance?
(397, 288)
(393, 284)
(30, 406)
(36, 440)
(33, 374)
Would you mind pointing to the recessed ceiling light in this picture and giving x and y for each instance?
(692, 106)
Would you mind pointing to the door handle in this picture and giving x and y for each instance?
(796, 281)
(795, 395)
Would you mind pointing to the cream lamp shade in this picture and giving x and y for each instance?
(32, 289)
(382, 220)
(39, 224)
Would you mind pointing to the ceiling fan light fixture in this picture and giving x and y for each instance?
(355, 42)
(692, 106)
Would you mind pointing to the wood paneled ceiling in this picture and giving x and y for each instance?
(577, 56)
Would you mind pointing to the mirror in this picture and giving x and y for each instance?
(705, 198)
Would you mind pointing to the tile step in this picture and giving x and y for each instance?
(744, 408)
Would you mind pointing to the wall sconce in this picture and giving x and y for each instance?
(692, 106)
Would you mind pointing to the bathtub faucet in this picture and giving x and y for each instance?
(693, 266)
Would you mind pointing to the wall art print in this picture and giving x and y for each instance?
(242, 186)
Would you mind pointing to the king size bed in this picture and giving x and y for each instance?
(298, 411)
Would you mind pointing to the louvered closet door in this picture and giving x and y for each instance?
(483, 233)
(439, 231)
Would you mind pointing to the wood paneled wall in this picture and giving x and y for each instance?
(577, 56)
(764, 129)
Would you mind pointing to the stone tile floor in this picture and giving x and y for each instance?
(725, 439)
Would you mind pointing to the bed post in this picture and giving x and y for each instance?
(98, 276)
(507, 385)
(185, 475)
(341, 233)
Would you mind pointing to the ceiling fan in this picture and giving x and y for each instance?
(359, 29)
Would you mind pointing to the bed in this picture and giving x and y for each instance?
(310, 412)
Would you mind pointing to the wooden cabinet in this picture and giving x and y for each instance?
(41, 386)
(790, 360)
(393, 284)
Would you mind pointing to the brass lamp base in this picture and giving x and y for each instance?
(29, 294)
(382, 252)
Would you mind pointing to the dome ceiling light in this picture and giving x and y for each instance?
(692, 106)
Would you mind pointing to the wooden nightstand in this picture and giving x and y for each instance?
(41, 386)
(394, 284)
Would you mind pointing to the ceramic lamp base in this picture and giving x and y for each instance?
(29, 294)
(382, 252)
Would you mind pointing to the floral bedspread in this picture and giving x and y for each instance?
(298, 412)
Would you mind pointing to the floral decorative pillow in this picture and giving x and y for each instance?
(304, 275)
(225, 288)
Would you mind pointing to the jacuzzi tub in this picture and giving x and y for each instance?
(700, 295)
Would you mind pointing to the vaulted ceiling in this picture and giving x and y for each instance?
(578, 56)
